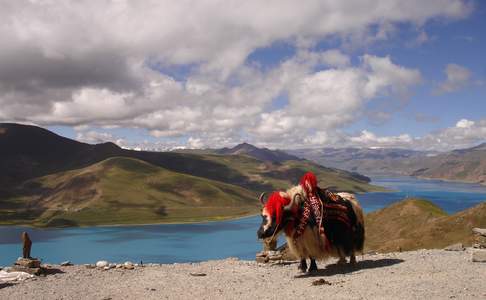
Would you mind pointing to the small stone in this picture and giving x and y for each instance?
(102, 264)
(262, 259)
(455, 247)
(28, 262)
(129, 265)
(261, 254)
(321, 282)
(197, 274)
(119, 266)
(89, 266)
(480, 241)
(275, 257)
(32, 271)
(106, 268)
(479, 231)
(479, 256)
(66, 263)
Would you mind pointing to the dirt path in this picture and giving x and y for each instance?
(424, 274)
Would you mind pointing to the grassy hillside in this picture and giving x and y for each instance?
(50, 180)
(124, 191)
(274, 175)
(415, 224)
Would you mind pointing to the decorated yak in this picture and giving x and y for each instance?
(337, 232)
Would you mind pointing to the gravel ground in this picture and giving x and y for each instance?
(424, 274)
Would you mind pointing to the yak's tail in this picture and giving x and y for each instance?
(357, 220)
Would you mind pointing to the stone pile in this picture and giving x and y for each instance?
(278, 255)
(269, 256)
(28, 265)
(479, 245)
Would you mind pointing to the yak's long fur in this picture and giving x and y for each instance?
(344, 242)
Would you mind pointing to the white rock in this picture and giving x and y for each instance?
(455, 247)
(102, 264)
(479, 256)
(480, 231)
(128, 263)
(66, 263)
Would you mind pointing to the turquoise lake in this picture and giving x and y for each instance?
(171, 243)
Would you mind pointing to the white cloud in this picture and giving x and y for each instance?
(458, 77)
(101, 64)
(335, 58)
(330, 99)
(97, 137)
(464, 134)
(464, 123)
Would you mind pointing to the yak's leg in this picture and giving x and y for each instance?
(352, 259)
(342, 257)
(313, 265)
(303, 266)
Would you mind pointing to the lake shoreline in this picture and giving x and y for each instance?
(210, 220)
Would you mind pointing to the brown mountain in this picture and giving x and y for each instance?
(263, 154)
(416, 224)
(467, 165)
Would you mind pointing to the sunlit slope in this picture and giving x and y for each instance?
(125, 191)
(267, 175)
(415, 224)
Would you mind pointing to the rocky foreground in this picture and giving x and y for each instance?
(423, 274)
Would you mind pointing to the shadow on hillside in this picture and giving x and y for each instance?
(335, 269)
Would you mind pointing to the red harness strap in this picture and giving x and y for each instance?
(312, 207)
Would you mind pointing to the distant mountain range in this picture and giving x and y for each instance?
(263, 154)
(468, 165)
(46, 179)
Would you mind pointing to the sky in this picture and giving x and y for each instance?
(160, 75)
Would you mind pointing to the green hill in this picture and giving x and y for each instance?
(47, 179)
(416, 224)
(124, 191)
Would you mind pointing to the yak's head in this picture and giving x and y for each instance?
(280, 210)
(275, 214)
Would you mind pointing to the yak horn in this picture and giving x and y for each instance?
(261, 198)
(295, 197)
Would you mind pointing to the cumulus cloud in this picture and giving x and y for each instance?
(102, 63)
(458, 77)
(464, 134)
(97, 137)
(332, 98)
(335, 58)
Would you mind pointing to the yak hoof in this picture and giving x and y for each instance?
(352, 260)
(303, 266)
(313, 267)
(342, 261)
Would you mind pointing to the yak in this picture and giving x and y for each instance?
(342, 221)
